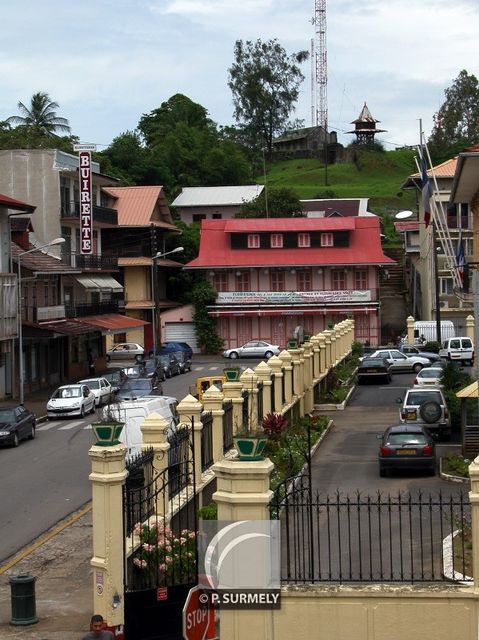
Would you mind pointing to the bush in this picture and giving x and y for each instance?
(209, 512)
(456, 466)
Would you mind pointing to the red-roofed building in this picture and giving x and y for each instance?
(274, 274)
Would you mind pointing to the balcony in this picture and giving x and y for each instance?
(92, 262)
(82, 309)
(39, 314)
(105, 215)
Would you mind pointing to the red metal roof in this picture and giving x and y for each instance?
(140, 206)
(113, 321)
(11, 203)
(67, 326)
(364, 248)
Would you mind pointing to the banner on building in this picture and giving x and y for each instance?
(292, 297)
(86, 206)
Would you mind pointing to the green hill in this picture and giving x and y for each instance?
(375, 175)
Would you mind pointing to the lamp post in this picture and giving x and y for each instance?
(20, 328)
(153, 293)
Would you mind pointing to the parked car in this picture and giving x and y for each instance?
(70, 400)
(115, 377)
(101, 388)
(406, 446)
(170, 364)
(184, 361)
(374, 369)
(173, 347)
(423, 405)
(125, 351)
(152, 369)
(134, 371)
(253, 349)
(400, 362)
(135, 388)
(16, 423)
(412, 350)
(429, 377)
(459, 349)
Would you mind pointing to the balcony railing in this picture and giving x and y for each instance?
(83, 309)
(92, 262)
(8, 306)
(100, 214)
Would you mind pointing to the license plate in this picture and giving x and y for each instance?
(406, 452)
(411, 415)
(371, 371)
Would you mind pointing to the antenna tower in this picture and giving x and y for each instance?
(319, 68)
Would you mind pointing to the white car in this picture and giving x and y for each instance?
(125, 351)
(429, 377)
(101, 388)
(70, 400)
(400, 362)
(253, 349)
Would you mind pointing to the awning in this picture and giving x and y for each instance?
(468, 392)
(99, 281)
(67, 327)
(111, 323)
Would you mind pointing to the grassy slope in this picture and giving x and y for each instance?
(377, 176)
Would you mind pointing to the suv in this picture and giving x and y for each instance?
(458, 349)
(428, 407)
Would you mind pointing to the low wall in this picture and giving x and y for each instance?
(379, 612)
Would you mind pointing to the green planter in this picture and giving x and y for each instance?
(107, 433)
(250, 447)
(292, 344)
(232, 374)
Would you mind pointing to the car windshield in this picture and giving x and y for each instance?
(373, 362)
(140, 384)
(133, 371)
(93, 384)
(69, 392)
(418, 397)
(113, 377)
(430, 373)
(407, 438)
(6, 415)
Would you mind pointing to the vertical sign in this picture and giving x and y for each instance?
(86, 213)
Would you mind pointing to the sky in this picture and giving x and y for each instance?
(108, 62)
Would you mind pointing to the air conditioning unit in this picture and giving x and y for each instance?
(444, 304)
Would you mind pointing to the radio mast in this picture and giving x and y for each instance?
(319, 68)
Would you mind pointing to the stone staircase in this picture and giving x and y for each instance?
(392, 293)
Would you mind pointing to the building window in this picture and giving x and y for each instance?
(304, 280)
(338, 280)
(242, 281)
(198, 217)
(220, 281)
(65, 197)
(361, 279)
(276, 240)
(277, 281)
(216, 216)
(327, 240)
(253, 241)
(458, 216)
(304, 240)
(46, 293)
(467, 246)
(446, 286)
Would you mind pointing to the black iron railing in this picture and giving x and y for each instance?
(94, 262)
(260, 401)
(245, 412)
(178, 454)
(100, 214)
(206, 440)
(380, 538)
(273, 395)
(92, 308)
(227, 425)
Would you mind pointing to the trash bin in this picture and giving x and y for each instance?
(23, 600)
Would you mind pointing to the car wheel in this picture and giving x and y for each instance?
(417, 367)
(268, 354)
(430, 411)
(32, 433)
(16, 440)
(233, 355)
(82, 411)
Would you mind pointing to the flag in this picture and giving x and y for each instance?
(460, 260)
(426, 189)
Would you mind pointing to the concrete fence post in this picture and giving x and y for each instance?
(263, 372)
(243, 493)
(108, 476)
(308, 377)
(213, 402)
(474, 499)
(234, 391)
(315, 358)
(276, 366)
(249, 380)
(410, 329)
(322, 354)
(470, 328)
(191, 409)
(327, 340)
(286, 359)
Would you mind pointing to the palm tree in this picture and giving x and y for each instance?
(41, 116)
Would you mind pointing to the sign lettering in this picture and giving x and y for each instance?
(292, 297)
(86, 246)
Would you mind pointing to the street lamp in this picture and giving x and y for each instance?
(153, 292)
(20, 329)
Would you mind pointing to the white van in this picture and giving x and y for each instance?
(458, 349)
(134, 412)
(427, 328)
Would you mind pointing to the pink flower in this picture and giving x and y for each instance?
(192, 535)
(137, 529)
(182, 540)
(148, 547)
(142, 564)
(168, 559)
(162, 566)
(168, 548)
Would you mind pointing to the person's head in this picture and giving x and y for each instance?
(97, 623)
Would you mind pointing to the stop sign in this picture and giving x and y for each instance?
(198, 615)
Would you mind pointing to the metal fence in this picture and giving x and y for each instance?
(227, 425)
(381, 538)
(137, 507)
(245, 413)
(260, 402)
(206, 440)
(273, 395)
(178, 453)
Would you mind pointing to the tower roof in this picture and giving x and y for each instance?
(365, 116)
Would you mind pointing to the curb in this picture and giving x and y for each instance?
(335, 407)
(450, 478)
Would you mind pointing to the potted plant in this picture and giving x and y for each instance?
(250, 444)
(232, 374)
(292, 343)
(107, 429)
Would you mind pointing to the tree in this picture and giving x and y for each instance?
(41, 117)
(456, 124)
(265, 84)
(282, 203)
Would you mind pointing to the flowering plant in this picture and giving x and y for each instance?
(164, 555)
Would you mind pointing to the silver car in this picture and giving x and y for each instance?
(101, 388)
(401, 362)
(125, 351)
(253, 349)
